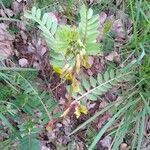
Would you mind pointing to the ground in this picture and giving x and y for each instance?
(23, 47)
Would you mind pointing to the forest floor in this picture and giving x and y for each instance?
(24, 50)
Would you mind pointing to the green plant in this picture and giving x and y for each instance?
(21, 98)
(70, 46)
(131, 113)
(6, 3)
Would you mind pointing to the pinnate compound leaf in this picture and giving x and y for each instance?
(103, 83)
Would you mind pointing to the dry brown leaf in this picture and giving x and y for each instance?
(24, 36)
(111, 56)
(102, 17)
(40, 47)
(118, 29)
(21, 25)
(106, 142)
(2, 13)
(16, 7)
(6, 48)
(4, 34)
(9, 12)
(102, 120)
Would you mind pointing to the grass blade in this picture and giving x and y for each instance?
(92, 118)
(7, 123)
(111, 121)
(142, 128)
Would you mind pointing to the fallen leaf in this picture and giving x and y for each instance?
(53, 16)
(102, 17)
(102, 120)
(9, 12)
(40, 47)
(24, 36)
(2, 13)
(106, 142)
(111, 56)
(17, 7)
(4, 34)
(5, 49)
(50, 125)
(118, 29)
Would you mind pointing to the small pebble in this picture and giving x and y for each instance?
(23, 62)
(123, 146)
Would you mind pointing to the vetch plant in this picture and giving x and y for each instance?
(70, 45)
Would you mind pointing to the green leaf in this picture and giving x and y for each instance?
(92, 81)
(90, 13)
(33, 11)
(28, 15)
(92, 39)
(44, 19)
(93, 20)
(106, 76)
(38, 14)
(120, 134)
(107, 26)
(103, 88)
(54, 27)
(98, 92)
(7, 123)
(99, 87)
(108, 86)
(29, 142)
(86, 84)
(141, 131)
(112, 73)
(83, 12)
(92, 48)
(100, 78)
(49, 23)
(93, 26)
(92, 97)
(136, 133)
(82, 91)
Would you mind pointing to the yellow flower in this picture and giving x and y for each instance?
(57, 70)
(85, 62)
(65, 72)
(78, 63)
(75, 85)
(80, 109)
